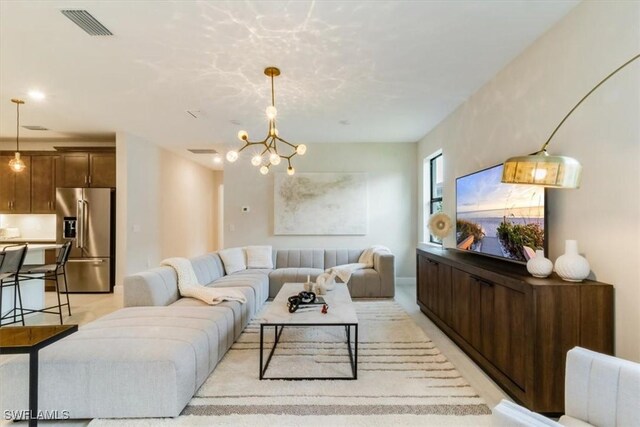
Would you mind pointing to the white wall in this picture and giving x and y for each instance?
(392, 175)
(514, 114)
(166, 206)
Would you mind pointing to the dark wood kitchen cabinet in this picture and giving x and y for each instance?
(517, 328)
(34, 189)
(74, 170)
(43, 184)
(102, 169)
(88, 170)
(15, 187)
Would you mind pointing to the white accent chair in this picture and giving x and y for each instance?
(600, 390)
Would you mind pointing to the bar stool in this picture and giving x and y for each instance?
(51, 272)
(11, 261)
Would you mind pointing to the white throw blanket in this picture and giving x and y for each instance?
(344, 272)
(189, 286)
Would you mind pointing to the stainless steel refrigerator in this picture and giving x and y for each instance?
(85, 216)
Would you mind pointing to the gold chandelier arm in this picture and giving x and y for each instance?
(544, 147)
(282, 140)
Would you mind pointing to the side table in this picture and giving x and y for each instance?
(30, 339)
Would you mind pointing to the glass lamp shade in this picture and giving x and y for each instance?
(16, 164)
(274, 159)
(291, 170)
(272, 112)
(542, 169)
(264, 170)
(232, 156)
(243, 135)
(256, 160)
(301, 149)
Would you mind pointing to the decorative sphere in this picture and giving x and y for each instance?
(272, 112)
(274, 159)
(291, 170)
(301, 149)
(264, 170)
(256, 160)
(243, 135)
(232, 156)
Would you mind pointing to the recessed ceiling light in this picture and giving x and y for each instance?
(217, 159)
(37, 95)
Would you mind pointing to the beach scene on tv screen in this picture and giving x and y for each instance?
(499, 219)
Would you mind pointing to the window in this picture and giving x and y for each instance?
(433, 180)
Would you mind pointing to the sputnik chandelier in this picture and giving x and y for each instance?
(271, 154)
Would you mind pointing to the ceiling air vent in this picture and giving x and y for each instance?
(88, 23)
(35, 127)
(202, 150)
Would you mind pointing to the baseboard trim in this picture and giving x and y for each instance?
(405, 281)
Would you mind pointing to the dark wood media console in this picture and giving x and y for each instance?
(516, 327)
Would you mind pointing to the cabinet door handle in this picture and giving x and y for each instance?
(89, 179)
(86, 180)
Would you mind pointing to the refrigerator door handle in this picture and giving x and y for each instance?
(85, 214)
(87, 260)
(80, 223)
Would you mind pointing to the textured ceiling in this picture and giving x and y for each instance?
(351, 71)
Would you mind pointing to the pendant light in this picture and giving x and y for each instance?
(16, 164)
(546, 170)
(271, 154)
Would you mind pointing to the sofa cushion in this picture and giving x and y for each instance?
(259, 282)
(334, 257)
(233, 260)
(280, 276)
(300, 258)
(207, 267)
(135, 362)
(241, 313)
(365, 284)
(259, 256)
(156, 287)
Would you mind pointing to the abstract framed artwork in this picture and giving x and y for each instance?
(321, 204)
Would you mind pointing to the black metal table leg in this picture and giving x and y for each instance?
(33, 388)
(355, 368)
(261, 347)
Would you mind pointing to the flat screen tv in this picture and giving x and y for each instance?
(499, 220)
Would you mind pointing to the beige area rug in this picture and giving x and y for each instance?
(403, 380)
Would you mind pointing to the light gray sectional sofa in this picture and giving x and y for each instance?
(149, 358)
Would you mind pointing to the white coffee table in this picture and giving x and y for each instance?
(341, 313)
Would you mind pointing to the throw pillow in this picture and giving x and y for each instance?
(233, 260)
(259, 256)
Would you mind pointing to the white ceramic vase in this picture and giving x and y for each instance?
(571, 266)
(539, 266)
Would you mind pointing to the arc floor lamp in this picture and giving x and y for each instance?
(550, 171)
